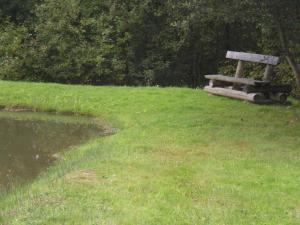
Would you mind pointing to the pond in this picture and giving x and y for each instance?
(30, 142)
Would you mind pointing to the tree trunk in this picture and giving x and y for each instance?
(195, 75)
(289, 55)
(295, 67)
(282, 34)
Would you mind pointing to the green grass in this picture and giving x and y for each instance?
(180, 156)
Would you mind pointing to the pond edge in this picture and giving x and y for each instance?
(99, 122)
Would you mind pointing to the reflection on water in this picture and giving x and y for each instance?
(29, 142)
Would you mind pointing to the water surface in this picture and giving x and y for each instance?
(30, 142)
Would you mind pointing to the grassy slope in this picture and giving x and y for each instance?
(180, 157)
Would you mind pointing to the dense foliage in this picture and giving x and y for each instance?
(150, 42)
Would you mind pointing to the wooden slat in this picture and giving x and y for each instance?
(245, 81)
(253, 97)
(266, 59)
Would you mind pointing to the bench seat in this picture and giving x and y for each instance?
(245, 81)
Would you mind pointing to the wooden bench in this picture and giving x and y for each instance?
(260, 91)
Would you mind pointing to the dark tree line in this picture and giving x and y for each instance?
(150, 42)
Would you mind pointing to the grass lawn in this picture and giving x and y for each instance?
(180, 156)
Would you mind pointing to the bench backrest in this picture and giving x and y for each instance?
(271, 61)
(266, 59)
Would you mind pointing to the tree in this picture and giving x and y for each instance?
(18, 11)
(285, 21)
(279, 22)
(131, 42)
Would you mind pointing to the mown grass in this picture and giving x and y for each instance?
(180, 156)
